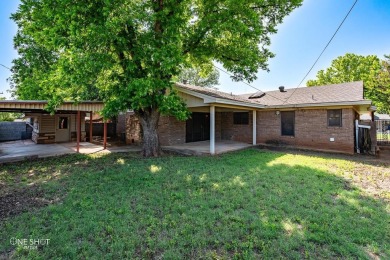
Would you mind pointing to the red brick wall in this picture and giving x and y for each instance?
(218, 126)
(311, 130)
(171, 131)
(239, 133)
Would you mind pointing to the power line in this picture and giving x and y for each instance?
(338, 28)
(246, 83)
(5, 66)
(1, 93)
(232, 75)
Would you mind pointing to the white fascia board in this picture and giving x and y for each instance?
(210, 100)
(238, 103)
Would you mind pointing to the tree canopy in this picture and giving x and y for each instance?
(375, 74)
(382, 95)
(204, 77)
(8, 116)
(127, 52)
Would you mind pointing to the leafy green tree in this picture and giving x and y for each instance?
(8, 116)
(130, 51)
(351, 67)
(200, 77)
(383, 87)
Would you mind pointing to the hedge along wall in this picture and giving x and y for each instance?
(10, 131)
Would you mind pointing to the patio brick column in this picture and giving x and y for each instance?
(212, 129)
(254, 127)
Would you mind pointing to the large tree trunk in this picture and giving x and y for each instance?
(149, 122)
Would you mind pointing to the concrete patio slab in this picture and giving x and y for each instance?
(26, 149)
(203, 147)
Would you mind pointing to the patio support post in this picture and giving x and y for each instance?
(78, 130)
(90, 126)
(254, 127)
(212, 129)
(105, 135)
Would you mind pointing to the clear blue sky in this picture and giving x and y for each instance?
(299, 41)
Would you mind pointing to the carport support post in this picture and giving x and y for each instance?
(254, 127)
(78, 130)
(212, 129)
(90, 127)
(105, 135)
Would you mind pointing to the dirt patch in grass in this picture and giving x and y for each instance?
(369, 173)
(24, 200)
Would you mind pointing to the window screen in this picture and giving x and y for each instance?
(288, 123)
(334, 117)
(241, 118)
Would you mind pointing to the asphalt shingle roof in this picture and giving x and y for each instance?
(345, 92)
(215, 93)
(335, 93)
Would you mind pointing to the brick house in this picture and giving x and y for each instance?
(318, 118)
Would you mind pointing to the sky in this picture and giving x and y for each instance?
(299, 40)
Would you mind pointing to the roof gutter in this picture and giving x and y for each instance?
(44, 102)
(210, 99)
(236, 103)
(35, 105)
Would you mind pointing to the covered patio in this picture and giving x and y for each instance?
(203, 147)
(66, 124)
(220, 122)
(213, 130)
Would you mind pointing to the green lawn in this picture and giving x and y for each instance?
(247, 204)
